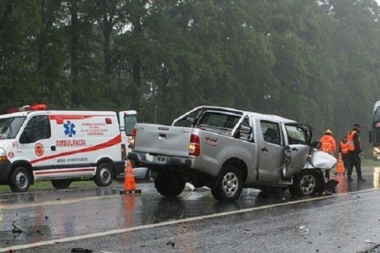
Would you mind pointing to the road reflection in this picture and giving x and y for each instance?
(49, 215)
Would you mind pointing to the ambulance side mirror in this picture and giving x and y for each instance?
(26, 137)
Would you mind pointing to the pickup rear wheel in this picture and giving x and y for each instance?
(305, 183)
(229, 184)
(169, 184)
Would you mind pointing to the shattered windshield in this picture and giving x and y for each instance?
(296, 134)
(9, 127)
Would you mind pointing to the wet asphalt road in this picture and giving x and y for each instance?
(102, 220)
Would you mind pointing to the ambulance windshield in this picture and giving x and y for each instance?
(9, 127)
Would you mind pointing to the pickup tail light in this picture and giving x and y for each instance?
(132, 138)
(194, 145)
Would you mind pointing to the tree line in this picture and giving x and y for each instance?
(313, 61)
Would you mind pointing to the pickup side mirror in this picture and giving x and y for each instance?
(189, 119)
(185, 121)
(245, 129)
(243, 132)
(316, 144)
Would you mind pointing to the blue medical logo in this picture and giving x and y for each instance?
(69, 129)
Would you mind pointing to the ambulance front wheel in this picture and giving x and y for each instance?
(20, 179)
(104, 175)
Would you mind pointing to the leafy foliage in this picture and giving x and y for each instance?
(314, 61)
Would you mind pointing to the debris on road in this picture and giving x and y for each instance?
(16, 230)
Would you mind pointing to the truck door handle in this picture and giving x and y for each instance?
(264, 149)
(52, 148)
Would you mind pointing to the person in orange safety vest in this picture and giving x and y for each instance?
(328, 145)
(343, 150)
(328, 142)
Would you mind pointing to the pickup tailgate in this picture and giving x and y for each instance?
(162, 139)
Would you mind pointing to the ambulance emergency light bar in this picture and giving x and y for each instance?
(35, 107)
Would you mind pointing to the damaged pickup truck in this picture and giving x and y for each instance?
(228, 149)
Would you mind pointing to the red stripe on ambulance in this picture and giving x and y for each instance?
(71, 117)
(57, 171)
(116, 140)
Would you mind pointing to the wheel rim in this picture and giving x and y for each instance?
(308, 184)
(105, 175)
(22, 180)
(230, 184)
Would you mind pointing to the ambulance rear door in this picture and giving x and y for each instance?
(127, 120)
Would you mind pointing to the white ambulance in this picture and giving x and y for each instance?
(62, 146)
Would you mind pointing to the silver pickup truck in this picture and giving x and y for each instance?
(227, 149)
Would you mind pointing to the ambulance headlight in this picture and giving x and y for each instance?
(3, 155)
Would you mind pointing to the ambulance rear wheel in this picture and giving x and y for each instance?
(61, 184)
(104, 175)
(20, 180)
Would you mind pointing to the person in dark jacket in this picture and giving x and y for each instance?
(354, 153)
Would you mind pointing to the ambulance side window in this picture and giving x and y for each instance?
(38, 128)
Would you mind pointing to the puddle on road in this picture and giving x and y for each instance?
(69, 219)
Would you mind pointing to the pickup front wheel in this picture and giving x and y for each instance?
(169, 184)
(306, 183)
(229, 184)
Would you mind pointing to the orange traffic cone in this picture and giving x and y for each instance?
(339, 169)
(129, 180)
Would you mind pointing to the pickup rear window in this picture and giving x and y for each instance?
(219, 120)
(223, 123)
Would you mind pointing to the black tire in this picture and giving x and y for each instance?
(104, 175)
(229, 184)
(20, 180)
(169, 184)
(61, 184)
(306, 183)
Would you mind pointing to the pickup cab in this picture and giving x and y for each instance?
(228, 149)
